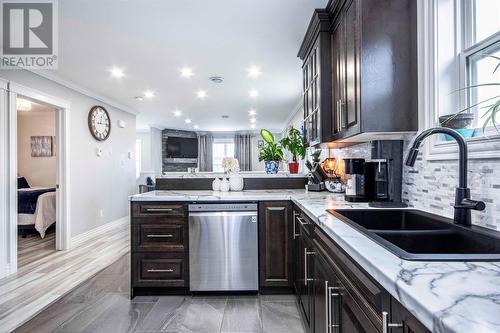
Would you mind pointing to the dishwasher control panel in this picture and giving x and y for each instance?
(223, 207)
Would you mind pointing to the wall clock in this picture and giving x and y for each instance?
(99, 123)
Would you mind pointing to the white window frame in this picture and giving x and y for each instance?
(223, 140)
(486, 147)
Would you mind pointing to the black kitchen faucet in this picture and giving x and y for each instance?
(463, 202)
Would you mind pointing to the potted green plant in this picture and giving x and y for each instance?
(271, 152)
(463, 118)
(294, 143)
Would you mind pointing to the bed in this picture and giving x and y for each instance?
(36, 209)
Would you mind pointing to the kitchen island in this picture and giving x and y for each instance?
(443, 296)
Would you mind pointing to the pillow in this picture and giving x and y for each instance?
(22, 183)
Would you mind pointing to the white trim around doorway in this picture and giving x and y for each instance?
(9, 122)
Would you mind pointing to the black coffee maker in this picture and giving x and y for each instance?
(359, 180)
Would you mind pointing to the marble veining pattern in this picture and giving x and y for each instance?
(445, 296)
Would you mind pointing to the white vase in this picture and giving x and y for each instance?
(216, 184)
(224, 185)
(236, 182)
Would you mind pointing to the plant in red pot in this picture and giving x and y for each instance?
(294, 143)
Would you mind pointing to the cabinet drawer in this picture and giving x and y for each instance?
(159, 237)
(159, 270)
(151, 209)
(370, 296)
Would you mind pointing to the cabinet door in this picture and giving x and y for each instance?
(350, 102)
(338, 74)
(326, 311)
(274, 234)
(304, 276)
(352, 319)
(399, 315)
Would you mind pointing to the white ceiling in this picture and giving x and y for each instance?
(152, 39)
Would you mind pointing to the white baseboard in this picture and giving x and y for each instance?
(88, 235)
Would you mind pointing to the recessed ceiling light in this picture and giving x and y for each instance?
(253, 120)
(201, 94)
(149, 94)
(187, 121)
(177, 113)
(139, 98)
(252, 126)
(224, 116)
(186, 72)
(254, 71)
(252, 112)
(195, 127)
(253, 93)
(117, 72)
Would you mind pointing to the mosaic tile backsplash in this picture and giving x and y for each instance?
(430, 185)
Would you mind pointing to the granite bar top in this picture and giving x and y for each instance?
(447, 297)
(244, 174)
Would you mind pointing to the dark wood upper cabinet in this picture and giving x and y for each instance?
(274, 244)
(372, 68)
(315, 54)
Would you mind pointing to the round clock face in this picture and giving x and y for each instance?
(99, 123)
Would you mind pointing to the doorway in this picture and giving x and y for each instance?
(19, 97)
(36, 181)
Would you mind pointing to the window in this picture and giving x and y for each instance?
(222, 147)
(138, 157)
(459, 41)
(481, 59)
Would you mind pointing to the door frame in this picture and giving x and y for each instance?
(62, 177)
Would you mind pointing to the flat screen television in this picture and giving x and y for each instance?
(182, 147)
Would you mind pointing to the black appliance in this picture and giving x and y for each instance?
(359, 180)
(387, 163)
(178, 147)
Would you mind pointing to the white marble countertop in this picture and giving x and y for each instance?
(244, 174)
(447, 297)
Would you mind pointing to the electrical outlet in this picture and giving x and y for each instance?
(101, 213)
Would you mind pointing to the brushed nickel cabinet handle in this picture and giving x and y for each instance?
(306, 253)
(159, 236)
(295, 234)
(386, 325)
(301, 221)
(160, 270)
(330, 295)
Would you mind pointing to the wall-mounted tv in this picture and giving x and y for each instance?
(182, 147)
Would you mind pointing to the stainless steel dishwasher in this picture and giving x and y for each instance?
(223, 247)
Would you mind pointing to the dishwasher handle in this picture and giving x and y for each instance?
(222, 214)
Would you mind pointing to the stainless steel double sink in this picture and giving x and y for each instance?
(417, 235)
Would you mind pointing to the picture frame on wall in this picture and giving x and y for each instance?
(41, 146)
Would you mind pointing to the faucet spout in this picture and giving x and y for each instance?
(463, 202)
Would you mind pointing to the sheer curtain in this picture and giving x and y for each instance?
(243, 151)
(205, 146)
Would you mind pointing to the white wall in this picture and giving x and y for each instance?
(39, 171)
(99, 186)
(151, 150)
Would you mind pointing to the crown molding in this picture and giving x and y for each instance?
(78, 88)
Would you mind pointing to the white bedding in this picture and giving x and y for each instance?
(45, 213)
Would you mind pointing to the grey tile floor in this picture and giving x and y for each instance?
(102, 304)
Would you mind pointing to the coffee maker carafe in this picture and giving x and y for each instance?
(358, 176)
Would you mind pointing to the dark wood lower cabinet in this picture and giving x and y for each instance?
(274, 244)
(159, 248)
(335, 294)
